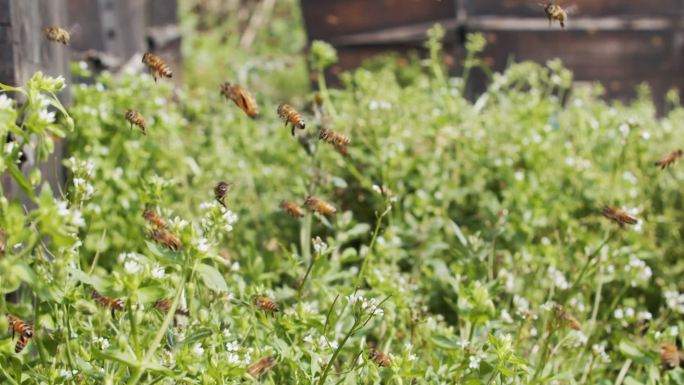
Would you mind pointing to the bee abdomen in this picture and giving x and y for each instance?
(320, 206)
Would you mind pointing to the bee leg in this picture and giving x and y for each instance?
(293, 130)
(562, 24)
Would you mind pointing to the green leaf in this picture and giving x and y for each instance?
(149, 294)
(21, 180)
(446, 342)
(196, 336)
(125, 358)
(166, 256)
(96, 282)
(212, 278)
(635, 353)
(629, 380)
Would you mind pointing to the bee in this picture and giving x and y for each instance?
(220, 192)
(380, 358)
(154, 218)
(669, 356)
(320, 206)
(57, 35)
(342, 150)
(292, 209)
(567, 318)
(21, 343)
(669, 159)
(619, 216)
(291, 116)
(261, 366)
(241, 97)
(157, 67)
(555, 12)
(165, 238)
(136, 118)
(20, 327)
(266, 304)
(115, 304)
(333, 138)
(164, 305)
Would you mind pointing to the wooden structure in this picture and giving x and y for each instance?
(620, 43)
(107, 33)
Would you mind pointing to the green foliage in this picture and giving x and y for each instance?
(460, 226)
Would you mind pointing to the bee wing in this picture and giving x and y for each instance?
(75, 29)
(572, 9)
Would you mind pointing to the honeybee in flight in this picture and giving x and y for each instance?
(567, 318)
(669, 159)
(618, 215)
(165, 238)
(291, 116)
(334, 138)
(380, 358)
(57, 35)
(115, 304)
(320, 206)
(261, 366)
(136, 118)
(157, 67)
(292, 209)
(164, 306)
(220, 192)
(241, 98)
(25, 331)
(154, 218)
(555, 12)
(669, 356)
(266, 304)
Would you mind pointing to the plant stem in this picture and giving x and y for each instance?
(323, 87)
(545, 347)
(139, 370)
(305, 236)
(623, 372)
(321, 380)
(378, 223)
(590, 258)
(308, 271)
(494, 374)
(134, 329)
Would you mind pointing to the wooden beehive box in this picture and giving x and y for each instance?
(620, 43)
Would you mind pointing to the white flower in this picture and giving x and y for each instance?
(674, 301)
(202, 245)
(354, 298)
(226, 333)
(624, 129)
(581, 338)
(66, 374)
(319, 246)
(644, 315)
(519, 175)
(235, 266)
(600, 351)
(233, 359)
(629, 312)
(505, 316)
(46, 116)
(533, 332)
(674, 331)
(619, 313)
(474, 362)
(5, 102)
(198, 350)
(103, 342)
(547, 306)
(158, 272)
(411, 357)
(558, 278)
(645, 135)
(232, 346)
(132, 267)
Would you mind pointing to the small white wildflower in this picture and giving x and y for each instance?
(232, 346)
(519, 175)
(66, 374)
(547, 306)
(533, 332)
(505, 316)
(5, 102)
(645, 135)
(46, 116)
(132, 266)
(558, 278)
(474, 362)
(233, 359)
(319, 246)
(198, 350)
(226, 333)
(645, 315)
(377, 189)
(624, 129)
(581, 339)
(619, 313)
(674, 331)
(158, 272)
(202, 244)
(629, 312)
(235, 266)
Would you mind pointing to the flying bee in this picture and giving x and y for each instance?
(261, 366)
(164, 306)
(292, 209)
(567, 318)
(333, 138)
(157, 67)
(220, 192)
(241, 97)
(291, 116)
(165, 238)
(20, 327)
(136, 118)
(57, 35)
(380, 358)
(669, 356)
(154, 218)
(669, 159)
(266, 304)
(21, 343)
(618, 215)
(320, 206)
(115, 304)
(555, 12)
(342, 150)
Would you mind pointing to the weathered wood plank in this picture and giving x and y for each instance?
(579, 7)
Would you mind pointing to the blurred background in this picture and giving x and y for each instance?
(620, 43)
